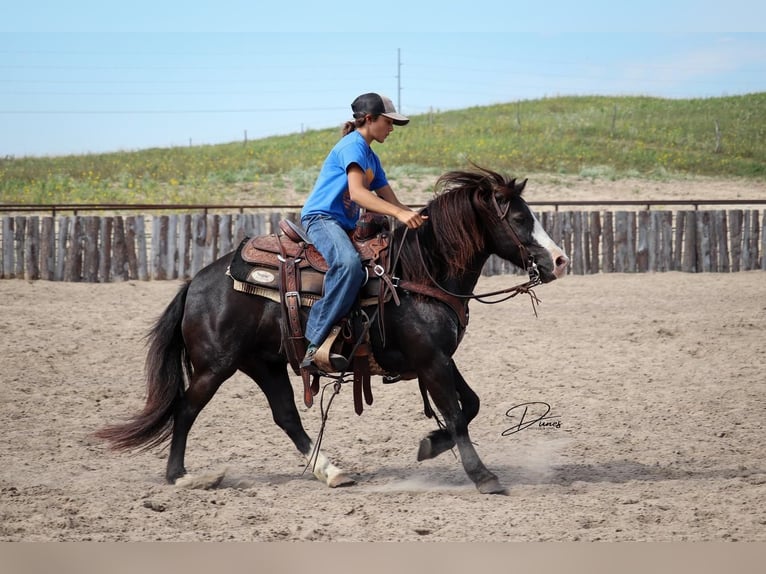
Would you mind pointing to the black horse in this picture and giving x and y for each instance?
(209, 330)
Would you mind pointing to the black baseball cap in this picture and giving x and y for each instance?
(377, 105)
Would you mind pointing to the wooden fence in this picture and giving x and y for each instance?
(102, 249)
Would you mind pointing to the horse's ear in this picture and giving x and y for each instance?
(515, 188)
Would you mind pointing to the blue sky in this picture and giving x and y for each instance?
(84, 76)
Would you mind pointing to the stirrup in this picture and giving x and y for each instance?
(324, 359)
(314, 361)
(308, 360)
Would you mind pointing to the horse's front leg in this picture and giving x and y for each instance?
(441, 440)
(442, 384)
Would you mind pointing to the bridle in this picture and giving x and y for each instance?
(530, 266)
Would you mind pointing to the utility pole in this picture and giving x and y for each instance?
(399, 80)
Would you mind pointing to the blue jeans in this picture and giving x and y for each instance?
(343, 280)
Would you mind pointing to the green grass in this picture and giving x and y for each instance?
(597, 137)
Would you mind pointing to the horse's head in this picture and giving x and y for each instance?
(510, 229)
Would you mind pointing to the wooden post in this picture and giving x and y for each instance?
(211, 239)
(119, 257)
(678, 251)
(666, 246)
(130, 247)
(184, 244)
(73, 263)
(586, 241)
(754, 238)
(735, 227)
(224, 235)
(556, 233)
(713, 233)
(154, 248)
(47, 248)
(259, 224)
(608, 243)
(32, 249)
(61, 251)
(248, 226)
(621, 241)
(8, 267)
(159, 247)
(703, 241)
(655, 241)
(763, 240)
(105, 252)
(567, 232)
(595, 236)
(631, 246)
(19, 233)
(578, 259)
(643, 247)
(199, 229)
(722, 234)
(172, 247)
(141, 256)
(689, 263)
(240, 225)
(274, 218)
(91, 225)
(746, 239)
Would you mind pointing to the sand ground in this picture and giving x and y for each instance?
(656, 380)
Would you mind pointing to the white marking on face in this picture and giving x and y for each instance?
(559, 258)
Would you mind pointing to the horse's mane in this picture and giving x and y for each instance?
(457, 217)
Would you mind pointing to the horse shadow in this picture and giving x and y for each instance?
(618, 472)
(449, 478)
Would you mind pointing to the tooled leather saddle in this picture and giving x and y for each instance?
(286, 267)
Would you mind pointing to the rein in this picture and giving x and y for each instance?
(526, 288)
(530, 267)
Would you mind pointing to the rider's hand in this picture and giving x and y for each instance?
(411, 219)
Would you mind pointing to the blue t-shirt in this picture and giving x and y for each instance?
(330, 195)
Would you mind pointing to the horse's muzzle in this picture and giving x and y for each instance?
(560, 264)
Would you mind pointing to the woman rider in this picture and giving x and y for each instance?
(349, 176)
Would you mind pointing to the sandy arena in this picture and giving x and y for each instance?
(656, 382)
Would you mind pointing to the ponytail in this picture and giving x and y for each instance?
(352, 125)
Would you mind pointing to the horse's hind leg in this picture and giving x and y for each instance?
(273, 380)
(202, 387)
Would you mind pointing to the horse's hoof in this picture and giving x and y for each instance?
(425, 451)
(340, 480)
(433, 445)
(202, 482)
(492, 486)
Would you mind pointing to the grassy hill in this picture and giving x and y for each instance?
(596, 136)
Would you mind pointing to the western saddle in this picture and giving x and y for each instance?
(285, 267)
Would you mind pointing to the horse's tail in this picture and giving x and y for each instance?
(167, 367)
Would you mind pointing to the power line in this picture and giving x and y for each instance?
(161, 112)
